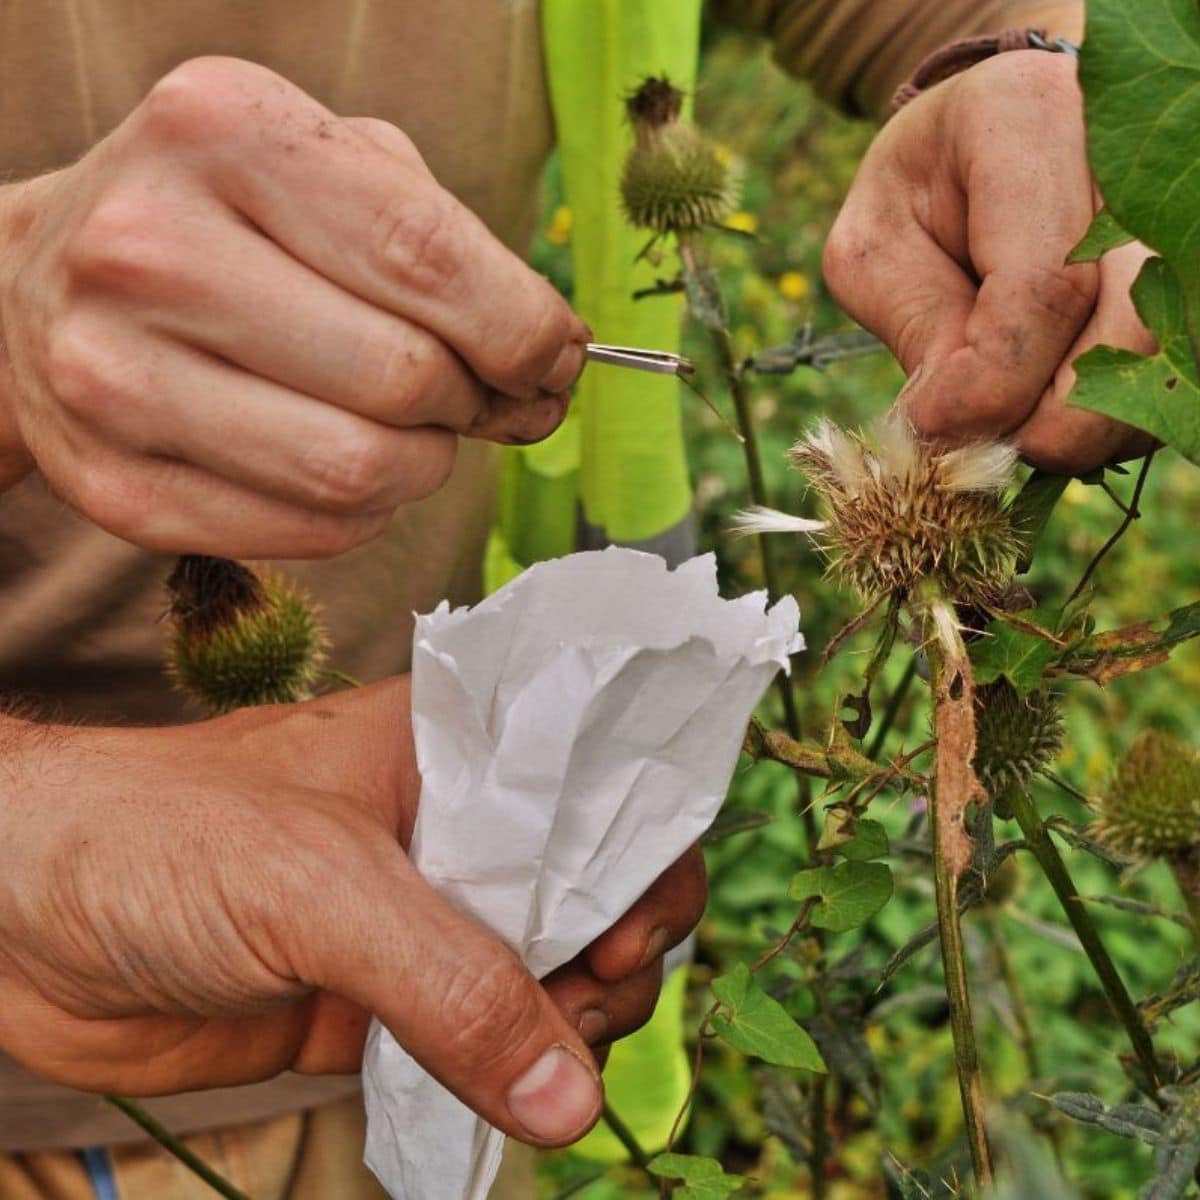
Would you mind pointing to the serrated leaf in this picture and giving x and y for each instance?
(754, 1023)
(851, 893)
(1159, 392)
(703, 1178)
(1140, 72)
(1104, 234)
(1018, 655)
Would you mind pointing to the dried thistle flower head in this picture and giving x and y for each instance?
(237, 639)
(675, 179)
(1015, 735)
(1152, 805)
(898, 510)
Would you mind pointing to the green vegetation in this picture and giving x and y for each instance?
(1043, 1025)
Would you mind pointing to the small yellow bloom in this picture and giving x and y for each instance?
(558, 231)
(793, 286)
(743, 222)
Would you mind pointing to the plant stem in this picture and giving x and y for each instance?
(955, 789)
(169, 1142)
(1131, 515)
(818, 1133)
(626, 1137)
(1187, 876)
(892, 711)
(1048, 858)
(1020, 1010)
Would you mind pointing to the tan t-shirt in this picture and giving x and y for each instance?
(464, 78)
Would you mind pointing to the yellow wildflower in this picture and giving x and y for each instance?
(743, 222)
(558, 231)
(793, 286)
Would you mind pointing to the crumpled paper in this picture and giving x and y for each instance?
(582, 724)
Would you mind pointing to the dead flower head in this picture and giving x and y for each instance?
(897, 510)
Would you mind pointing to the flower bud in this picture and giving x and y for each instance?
(1015, 736)
(237, 639)
(675, 179)
(1152, 805)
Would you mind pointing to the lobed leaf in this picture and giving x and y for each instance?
(851, 893)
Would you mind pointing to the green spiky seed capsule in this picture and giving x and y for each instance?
(1152, 805)
(1015, 736)
(675, 179)
(237, 639)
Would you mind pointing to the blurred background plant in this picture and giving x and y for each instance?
(1043, 1024)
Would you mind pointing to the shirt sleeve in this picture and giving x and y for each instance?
(857, 52)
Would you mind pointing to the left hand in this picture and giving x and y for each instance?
(952, 248)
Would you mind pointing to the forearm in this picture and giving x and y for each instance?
(857, 52)
(17, 213)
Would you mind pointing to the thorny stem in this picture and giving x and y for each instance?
(954, 789)
(172, 1145)
(1048, 858)
(1131, 515)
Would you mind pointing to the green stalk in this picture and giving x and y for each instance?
(1048, 858)
(172, 1145)
(1187, 878)
(627, 1138)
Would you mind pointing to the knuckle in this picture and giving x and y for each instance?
(329, 537)
(199, 102)
(121, 245)
(1067, 296)
(115, 500)
(77, 370)
(350, 474)
(843, 257)
(418, 243)
(489, 1014)
(391, 371)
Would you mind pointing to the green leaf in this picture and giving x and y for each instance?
(703, 1178)
(1030, 511)
(854, 837)
(1104, 234)
(1140, 71)
(851, 893)
(754, 1023)
(1160, 392)
(1018, 655)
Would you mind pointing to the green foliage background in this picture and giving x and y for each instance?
(800, 158)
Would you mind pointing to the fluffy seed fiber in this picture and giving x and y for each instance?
(1152, 805)
(899, 511)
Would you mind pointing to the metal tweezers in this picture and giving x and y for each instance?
(658, 361)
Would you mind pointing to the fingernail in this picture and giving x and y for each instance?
(557, 1098)
(656, 947)
(565, 371)
(593, 1025)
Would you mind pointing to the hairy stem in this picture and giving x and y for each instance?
(172, 1145)
(1048, 858)
(954, 790)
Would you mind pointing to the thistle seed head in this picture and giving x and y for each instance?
(675, 179)
(899, 510)
(1152, 805)
(1015, 736)
(237, 639)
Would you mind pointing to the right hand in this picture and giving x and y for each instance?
(207, 905)
(241, 325)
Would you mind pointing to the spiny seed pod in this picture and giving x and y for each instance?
(236, 639)
(1152, 805)
(1015, 735)
(675, 180)
(898, 511)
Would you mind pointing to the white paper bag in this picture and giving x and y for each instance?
(582, 724)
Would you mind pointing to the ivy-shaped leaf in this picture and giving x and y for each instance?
(1160, 392)
(1140, 71)
(1104, 234)
(857, 838)
(754, 1023)
(1019, 655)
(851, 893)
(703, 1178)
